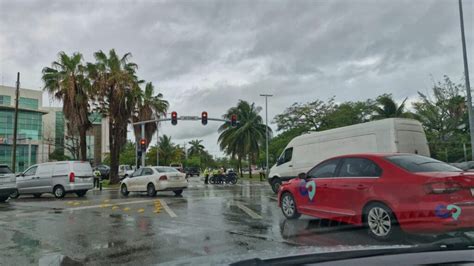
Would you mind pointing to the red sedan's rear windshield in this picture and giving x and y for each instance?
(417, 163)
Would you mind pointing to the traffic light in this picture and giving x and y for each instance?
(233, 120)
(143, 145)
(174, 118)
(204, 118)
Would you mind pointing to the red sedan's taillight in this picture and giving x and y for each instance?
(163, 177)
(442, 187)
(72, 177)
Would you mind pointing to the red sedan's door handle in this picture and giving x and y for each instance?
(361, 187)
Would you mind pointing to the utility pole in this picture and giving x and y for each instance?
(15, 123)
(157, 145)
(466, 76)
(267, 170)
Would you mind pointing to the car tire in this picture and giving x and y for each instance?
(212, 180)
(178, 192)
(37, 195)
(380, 222)
(288, 206)
(124, 190)
(3, 199)
(81, 193)
(15, 194)
(59, 192)
(276, 183)
(150, 190)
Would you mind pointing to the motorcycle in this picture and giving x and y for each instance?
(230, 178)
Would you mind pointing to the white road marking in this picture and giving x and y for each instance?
(248, 211)
(108, 205)
(167, 208)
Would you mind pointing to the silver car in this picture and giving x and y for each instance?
(58, 178)
(7, 182)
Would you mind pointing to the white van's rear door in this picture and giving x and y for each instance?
(412, 142)
(82, 172)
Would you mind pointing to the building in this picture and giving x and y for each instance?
(30, 126)
(42, 131)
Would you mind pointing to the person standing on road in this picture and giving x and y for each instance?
(97, 176)
(206, 176)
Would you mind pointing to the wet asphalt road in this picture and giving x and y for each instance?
(208, 224)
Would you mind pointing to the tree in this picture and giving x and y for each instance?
(444, 119)
(308, 115)
(246, 138)
(388, 108)
(196, 147)
(149, 106)
(168, 151)
(116, 90)
(66, 79)
(348, 113)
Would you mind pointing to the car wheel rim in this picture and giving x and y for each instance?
(58, 192)
(288, 206)
(379, 221)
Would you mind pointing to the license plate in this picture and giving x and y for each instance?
(472, 192)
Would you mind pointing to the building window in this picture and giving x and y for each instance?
(28, 103)
(5, 100)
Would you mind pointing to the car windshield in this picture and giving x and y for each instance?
(5, 170)
(415, 163)
(225, 130)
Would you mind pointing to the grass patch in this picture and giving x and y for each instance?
(106, 184)
(254, 178)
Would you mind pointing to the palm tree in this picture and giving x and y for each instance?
(149, 106)
(167, 150)
(387, 108)
(247, 137)
(117, 91)
(67, 81)
(196, 147)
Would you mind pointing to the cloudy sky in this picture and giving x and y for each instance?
(205, 55)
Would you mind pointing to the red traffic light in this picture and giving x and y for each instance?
(204, 118)
(143, 145)
(233, 120)
(174, 118)
(143, 141)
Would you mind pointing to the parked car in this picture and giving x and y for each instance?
(58, 178)
(104, 171)
(385, 193)
(178, 167)
(192, 171)
(466, 166)
(7, 182)
(151, 179)
(125, 171)
(388, 135)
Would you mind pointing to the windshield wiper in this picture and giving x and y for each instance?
(458, 242)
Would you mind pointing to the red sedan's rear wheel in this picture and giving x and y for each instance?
(288, 206)
(380, 222)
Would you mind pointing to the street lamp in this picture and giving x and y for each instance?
(466, 76)
(266, 132)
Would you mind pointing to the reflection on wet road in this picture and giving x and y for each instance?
(230, 222)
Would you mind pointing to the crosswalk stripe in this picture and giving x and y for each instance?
(248, 211)
(168, 209)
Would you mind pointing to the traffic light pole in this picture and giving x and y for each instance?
(143, 137)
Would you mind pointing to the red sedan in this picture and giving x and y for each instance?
(384, 192)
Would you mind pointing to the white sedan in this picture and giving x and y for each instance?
(151, 179)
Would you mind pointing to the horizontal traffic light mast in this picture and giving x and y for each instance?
(233, 121)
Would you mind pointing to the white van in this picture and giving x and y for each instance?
(397, 135)
(58, 178)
